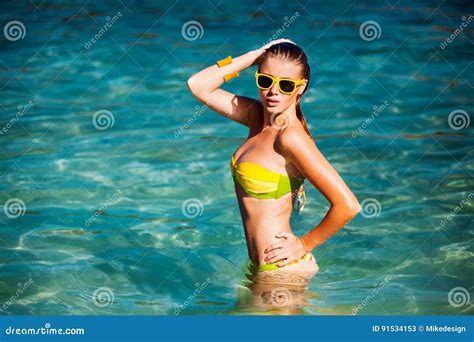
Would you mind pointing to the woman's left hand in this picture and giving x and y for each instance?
(289, 249)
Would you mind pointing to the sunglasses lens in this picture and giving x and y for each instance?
(287, 86)
(264, 81)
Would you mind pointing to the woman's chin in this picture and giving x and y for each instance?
(277, 110)
(273, 108)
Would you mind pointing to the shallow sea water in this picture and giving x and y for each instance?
(144, 253)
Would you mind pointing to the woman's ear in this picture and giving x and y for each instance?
(302, 87)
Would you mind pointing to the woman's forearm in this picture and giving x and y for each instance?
(335, 219)
(212, 77)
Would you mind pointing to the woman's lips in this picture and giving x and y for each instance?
(272, 103)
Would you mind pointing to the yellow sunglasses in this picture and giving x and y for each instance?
(286, 85)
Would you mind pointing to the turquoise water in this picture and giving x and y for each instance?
(154, 163)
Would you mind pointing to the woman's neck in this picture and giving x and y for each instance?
(279, 120)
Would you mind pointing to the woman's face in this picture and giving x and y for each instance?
(272, 99)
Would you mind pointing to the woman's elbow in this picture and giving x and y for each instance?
(197, 90)
(349, 209)
(354, 208)
(191, 85)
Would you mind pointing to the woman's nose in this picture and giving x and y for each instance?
(274, 88)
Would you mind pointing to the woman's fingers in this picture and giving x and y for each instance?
(287, 41)
(275, 256)
(285, 261)
(285, 235)
(281, 40)
(274, 246)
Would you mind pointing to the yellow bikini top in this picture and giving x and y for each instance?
(259, 182)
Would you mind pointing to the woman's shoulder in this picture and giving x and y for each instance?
(289, 143)
(292, 136)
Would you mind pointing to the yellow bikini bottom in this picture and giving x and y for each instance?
(271, 267)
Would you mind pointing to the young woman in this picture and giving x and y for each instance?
(279, 153)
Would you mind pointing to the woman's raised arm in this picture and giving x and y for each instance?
(205, 86)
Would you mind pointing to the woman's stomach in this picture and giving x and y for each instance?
(261, 235)
(263, 219)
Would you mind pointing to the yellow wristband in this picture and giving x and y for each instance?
(224, 61)
(230, 76)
